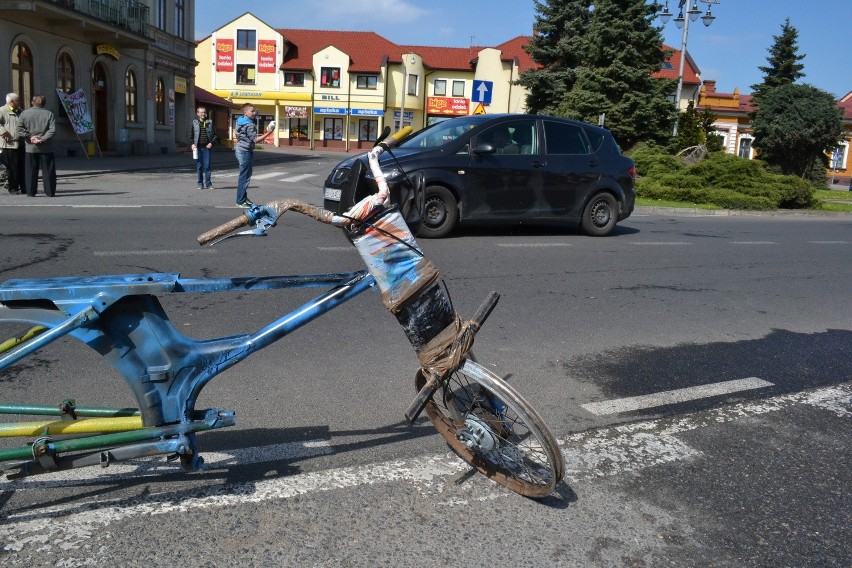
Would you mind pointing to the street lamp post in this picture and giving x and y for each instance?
(682, 22)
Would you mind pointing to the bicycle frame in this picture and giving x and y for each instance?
(122, 318)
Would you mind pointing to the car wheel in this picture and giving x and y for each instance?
(600, 215)
(441, 213)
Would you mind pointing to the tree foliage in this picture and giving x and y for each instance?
(784, 67)
(794, 127)
(560, 26)
(597, 58)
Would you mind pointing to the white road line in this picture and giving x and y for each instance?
(632, 403)
(588, 455)
(828, 242)
(533, 245)
(753, 243)
(268, 175)
(228, 175)
(333, 249)
(297, 179)
(663, 243)
(153, 252)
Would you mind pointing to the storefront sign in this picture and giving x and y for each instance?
(366, 112)
(296, 112)
(329, 110)
(180, 85)
(446, 105)
(108, 50)
(266, 56)
(409, 115)
(224, 55)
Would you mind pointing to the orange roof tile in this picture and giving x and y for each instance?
(454, 58)
(367, 50)
(690, 69)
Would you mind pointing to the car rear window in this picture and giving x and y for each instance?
(563, 138)
(596, 138)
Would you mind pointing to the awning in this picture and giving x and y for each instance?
(208, 98)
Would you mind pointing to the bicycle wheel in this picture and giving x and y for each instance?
(491, 427)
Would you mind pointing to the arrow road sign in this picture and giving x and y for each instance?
(482, 91)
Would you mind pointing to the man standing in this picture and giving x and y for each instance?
(203, 137)
(37, 126)
(247, 137)
(12, 143)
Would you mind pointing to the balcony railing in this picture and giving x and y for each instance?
(128, 14)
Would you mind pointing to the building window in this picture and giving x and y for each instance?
(179, 19)
(838, 157)
(368, 81)
(161, 101)
(745, 148)
(22, 72)
(65, 73)
(333, 128)
(299, 128)
(412, 85)
(247, 39)
(440, 87)
(368, 129)
(458, 88)
(245, 74)
(294, 79)
(161, 14)
(130, 107)
(330, 77)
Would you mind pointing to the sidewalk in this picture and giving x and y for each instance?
(81, 165)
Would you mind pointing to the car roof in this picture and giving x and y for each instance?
(501, 117)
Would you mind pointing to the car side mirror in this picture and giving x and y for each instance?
(484, 149)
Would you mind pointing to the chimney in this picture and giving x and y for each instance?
(709, 87)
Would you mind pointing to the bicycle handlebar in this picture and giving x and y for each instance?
(395, 138)
(265, 216)
(222, 230)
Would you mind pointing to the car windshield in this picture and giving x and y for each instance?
(443, 132)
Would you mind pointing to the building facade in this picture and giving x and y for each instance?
(131, 62)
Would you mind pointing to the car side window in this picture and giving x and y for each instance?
(595, 139)
(563, 138)
(524, 135)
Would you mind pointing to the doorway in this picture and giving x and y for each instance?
(99, 104)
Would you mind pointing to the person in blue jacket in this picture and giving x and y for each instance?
(247, 137)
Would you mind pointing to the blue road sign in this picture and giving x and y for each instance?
(482, 91)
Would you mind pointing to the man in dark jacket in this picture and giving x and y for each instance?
(247, 137)
(203, 138)
(38, 126)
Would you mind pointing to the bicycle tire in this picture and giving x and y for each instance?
(511, 446)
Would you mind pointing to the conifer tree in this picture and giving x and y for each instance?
(784, 67)
(620, 50)
(560, 28)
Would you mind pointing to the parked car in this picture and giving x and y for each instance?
(507, 168)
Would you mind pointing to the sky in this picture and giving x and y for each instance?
(729, 51)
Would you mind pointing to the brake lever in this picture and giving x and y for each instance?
(264, 219)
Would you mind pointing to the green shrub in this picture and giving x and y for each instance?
(719, 179)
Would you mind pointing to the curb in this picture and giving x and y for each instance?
(694, 212)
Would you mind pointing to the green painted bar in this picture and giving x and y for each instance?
(85, 411)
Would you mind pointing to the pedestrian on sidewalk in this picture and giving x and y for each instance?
(37, 125)
(203, 138)
(247, 137)
(12, 143)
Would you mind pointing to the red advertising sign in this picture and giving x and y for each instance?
(266, 56)
(446, 105)
(224, 55)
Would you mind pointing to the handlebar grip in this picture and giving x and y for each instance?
(485, 309)
(397, 136)
(223, 230)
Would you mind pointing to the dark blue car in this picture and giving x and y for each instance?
(508, 168)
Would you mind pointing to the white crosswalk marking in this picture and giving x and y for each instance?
(267, 175)
(297, 179)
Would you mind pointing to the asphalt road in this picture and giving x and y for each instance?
(694, 369)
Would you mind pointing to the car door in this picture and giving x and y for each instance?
(501, 181)
(572, 169)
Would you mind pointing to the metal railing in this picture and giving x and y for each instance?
(129, 14)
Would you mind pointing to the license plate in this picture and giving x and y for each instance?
(331, 194)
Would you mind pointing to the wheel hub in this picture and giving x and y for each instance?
(478, 435)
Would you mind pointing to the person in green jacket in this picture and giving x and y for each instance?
(37, 125)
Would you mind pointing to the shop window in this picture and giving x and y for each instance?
(440, 87)
(458, 88)
(130, 104)
(368, 129)
(412, 85)
(330, 77)
(245, 74)
(299, 128)
(22, 71)
(65, 73)
(333, 129)
(161, 100)
(294, 79)
(367, 81)
(247, 39)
